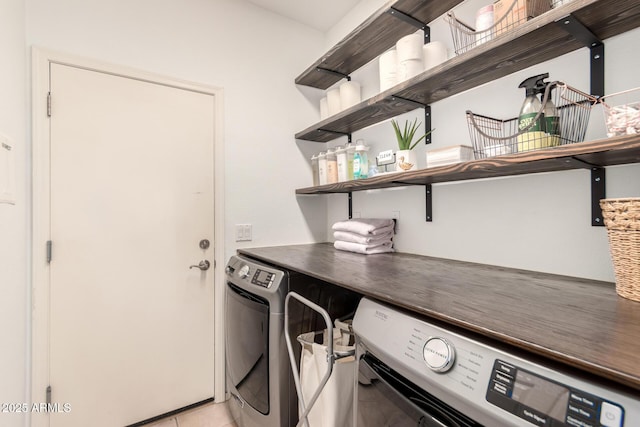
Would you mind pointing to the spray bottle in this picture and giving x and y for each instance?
(534, 137)
(551, 116)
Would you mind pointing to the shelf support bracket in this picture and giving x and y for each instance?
(598, 191)
(577, 29)
(350, 199)
(429, 202)
(409, 20)
(347, 134)
(427, 123)
(334, 73)
(427, 113)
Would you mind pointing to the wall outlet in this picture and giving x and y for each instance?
(243, 232)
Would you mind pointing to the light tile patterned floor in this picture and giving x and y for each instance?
(210, 415)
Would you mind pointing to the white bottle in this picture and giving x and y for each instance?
(314, 170)
(322, 168)
(343, 164)
(332, 167)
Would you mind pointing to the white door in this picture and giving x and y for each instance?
(131, 176)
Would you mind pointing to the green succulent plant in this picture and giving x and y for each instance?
(406, 135)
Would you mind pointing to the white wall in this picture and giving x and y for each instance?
(252, 54)
(538, 222)
(13, 218)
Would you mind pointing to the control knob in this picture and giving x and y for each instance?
(439, 354)
(243, 272)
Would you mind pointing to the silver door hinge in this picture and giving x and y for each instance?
(48, 398)
(49, 249)
(49, 104)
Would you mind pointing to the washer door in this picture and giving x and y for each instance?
(386, 398)
(247, 336)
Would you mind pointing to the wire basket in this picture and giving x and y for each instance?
(507, 14)
(622, 220)
(494, 137)
(622, 112)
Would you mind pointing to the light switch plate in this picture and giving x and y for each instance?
(7, 170)
(243, 232)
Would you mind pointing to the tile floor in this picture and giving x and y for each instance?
(209, 415)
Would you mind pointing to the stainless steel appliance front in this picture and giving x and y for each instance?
(415, 373)
(258, 375)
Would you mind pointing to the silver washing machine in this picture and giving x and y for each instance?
(259, 376)
(414, 372)
(258, 373)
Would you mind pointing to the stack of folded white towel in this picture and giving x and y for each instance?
(364, 235)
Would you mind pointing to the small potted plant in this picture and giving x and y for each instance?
(405, 157)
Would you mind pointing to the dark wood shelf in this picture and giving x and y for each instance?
(374, 36)
(580, 323)
(584, 155)
(533, 42)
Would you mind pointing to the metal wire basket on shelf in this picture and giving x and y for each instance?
(507, 14)
(622, 112)
(494, 137)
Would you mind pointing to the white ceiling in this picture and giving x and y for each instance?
(319, 14)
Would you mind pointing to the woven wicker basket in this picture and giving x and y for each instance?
(622, 219)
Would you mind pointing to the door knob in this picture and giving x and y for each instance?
(203, 265)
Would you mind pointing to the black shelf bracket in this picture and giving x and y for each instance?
(334, 73)
(350, 198)
(427, 140)
(577, 29)
(347, 134)
(427, 123)
(408, 19)
(428, 202)
(427, 113)
(598, 191)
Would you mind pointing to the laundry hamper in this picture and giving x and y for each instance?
(326, 380)
(622, 220)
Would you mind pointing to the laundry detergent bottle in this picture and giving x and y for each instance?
(360, 160)
(533, 136)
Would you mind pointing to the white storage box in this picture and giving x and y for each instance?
(449, 155)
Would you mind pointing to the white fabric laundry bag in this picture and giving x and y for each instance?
(334, 407)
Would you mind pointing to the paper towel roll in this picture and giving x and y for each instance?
(435, 53)
(333, 101)
(349, 94)
(388, 69)
(410, 47)
(324, 108)
(409, 68)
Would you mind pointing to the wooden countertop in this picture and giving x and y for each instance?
(578, 322)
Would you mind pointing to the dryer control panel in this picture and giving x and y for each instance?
(263, 278)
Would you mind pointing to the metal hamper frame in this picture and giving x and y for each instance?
(332, 356)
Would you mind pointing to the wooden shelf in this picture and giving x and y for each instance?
(557, 317)
(533, 42)
(374, 36)
(584, 155)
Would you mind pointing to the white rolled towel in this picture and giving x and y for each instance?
(365, 226)
(347, 236)
(363, 249)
